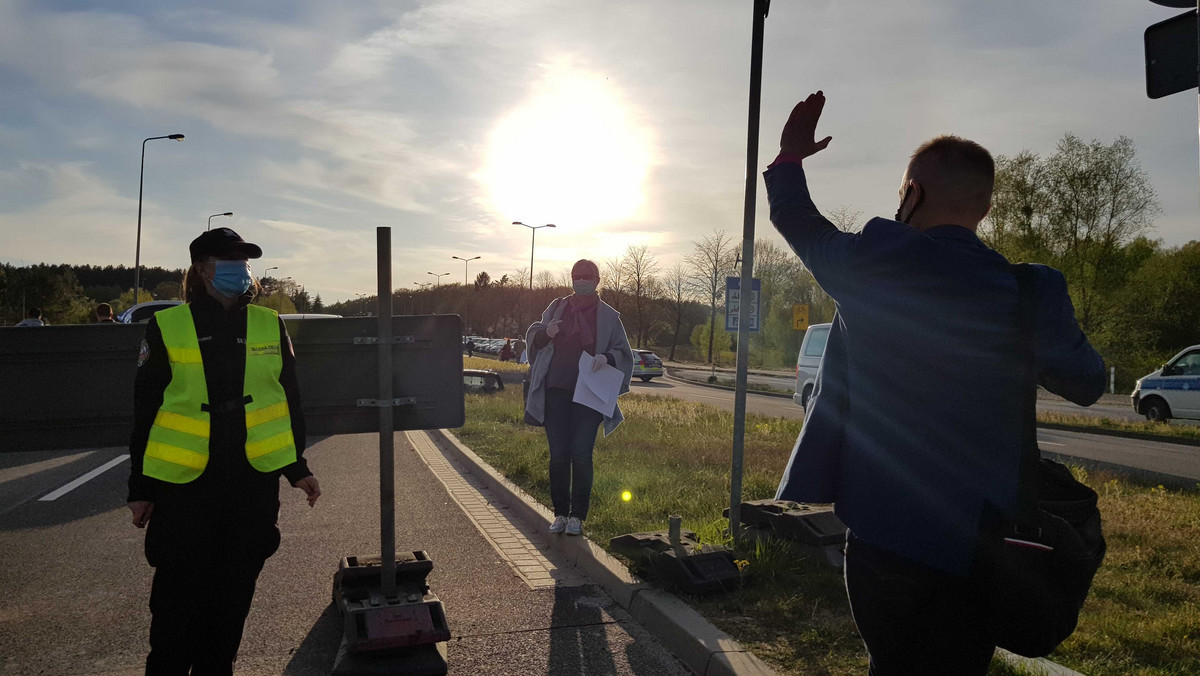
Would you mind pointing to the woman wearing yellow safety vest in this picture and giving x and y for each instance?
(216, 421)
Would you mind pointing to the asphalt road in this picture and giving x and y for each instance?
(1115, 408)
(1176, 460)
(74, 585)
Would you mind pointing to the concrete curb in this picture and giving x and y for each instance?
(706, 650)
(1035, 665)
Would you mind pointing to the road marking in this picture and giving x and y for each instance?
(56, 494)
(1050, 443)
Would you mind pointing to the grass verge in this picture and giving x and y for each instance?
(494, 365)
(1143, 616)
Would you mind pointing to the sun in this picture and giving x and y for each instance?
(573, 154)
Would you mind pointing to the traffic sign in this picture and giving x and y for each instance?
(800, 317)
(733, 304)
(1171, 48)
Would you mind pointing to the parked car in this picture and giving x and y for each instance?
(142, 312)
(812, 348)
(647, 366)
(1172, 391)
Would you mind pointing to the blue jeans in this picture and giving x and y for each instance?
(571, 432)
(915, 619)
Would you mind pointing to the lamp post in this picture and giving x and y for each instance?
(465, 262)
(137, 256)
(439, 277)
(532, 234)
(227, 213)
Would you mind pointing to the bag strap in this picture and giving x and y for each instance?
(1027, 478)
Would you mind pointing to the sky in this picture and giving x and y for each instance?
(621, 122)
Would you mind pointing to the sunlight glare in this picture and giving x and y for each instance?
(573, 154)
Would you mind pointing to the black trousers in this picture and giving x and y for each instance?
(197, 616)
(571, 432)
(915, 619)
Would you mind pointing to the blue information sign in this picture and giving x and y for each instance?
(733, 304)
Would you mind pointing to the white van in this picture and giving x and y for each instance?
(809, 359)
(1173, 391)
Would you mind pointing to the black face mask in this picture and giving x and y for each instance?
(920, 198)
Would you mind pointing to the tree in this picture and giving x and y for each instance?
(317, 305)
(710, 261)
(613, 273)
(639, 266)
(676, 289)
(278, 302)
(483, 279)
(846, 218)
(167, 291)
(1077, 210)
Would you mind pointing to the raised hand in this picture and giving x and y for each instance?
(799, 134)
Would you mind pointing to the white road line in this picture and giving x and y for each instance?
(58, 493)
(1050, 443)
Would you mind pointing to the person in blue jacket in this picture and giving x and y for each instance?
(914, 431)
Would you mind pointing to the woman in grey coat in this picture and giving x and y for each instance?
(570, 327)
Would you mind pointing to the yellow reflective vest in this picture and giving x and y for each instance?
(177, 451)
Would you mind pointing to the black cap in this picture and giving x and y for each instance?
(220, 243)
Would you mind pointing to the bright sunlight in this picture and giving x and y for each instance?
(573, 154)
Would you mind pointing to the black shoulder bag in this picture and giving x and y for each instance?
(1038, 567)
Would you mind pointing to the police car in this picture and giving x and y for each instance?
(1172, 391)
(647, 366)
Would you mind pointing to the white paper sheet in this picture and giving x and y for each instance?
(597, 389)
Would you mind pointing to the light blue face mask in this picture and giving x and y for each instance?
(584, 287)
(231, 278)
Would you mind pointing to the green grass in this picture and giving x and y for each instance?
(1085, 423)
(494, 365)
(1143, 616)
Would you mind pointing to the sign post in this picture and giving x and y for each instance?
(761, 7)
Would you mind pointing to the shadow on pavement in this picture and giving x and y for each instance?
(578, 640)
(319, 648)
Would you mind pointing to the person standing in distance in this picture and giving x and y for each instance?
(217, 419)
(104, 314)
(915, 430)
(570, 327)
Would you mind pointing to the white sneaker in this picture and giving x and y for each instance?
(560, 524)
(574, 526)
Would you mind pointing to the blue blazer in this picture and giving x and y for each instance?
(915, 423)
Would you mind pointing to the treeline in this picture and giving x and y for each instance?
(69, 294)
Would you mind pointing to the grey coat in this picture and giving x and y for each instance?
(610, 340)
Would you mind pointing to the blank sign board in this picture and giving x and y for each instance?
(1171, 55)
(71, 387)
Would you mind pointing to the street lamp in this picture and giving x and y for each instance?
(465, 262)
(533, 232)
(137, 256)
(227, 213)
(439, 277)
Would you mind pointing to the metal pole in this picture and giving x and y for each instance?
(387, 461)
(137, 256)
(743, 349)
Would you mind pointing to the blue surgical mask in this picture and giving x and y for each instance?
(231, 278)
(584, 287)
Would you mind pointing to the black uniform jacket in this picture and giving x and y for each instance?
(222, 336)
(227, 515)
